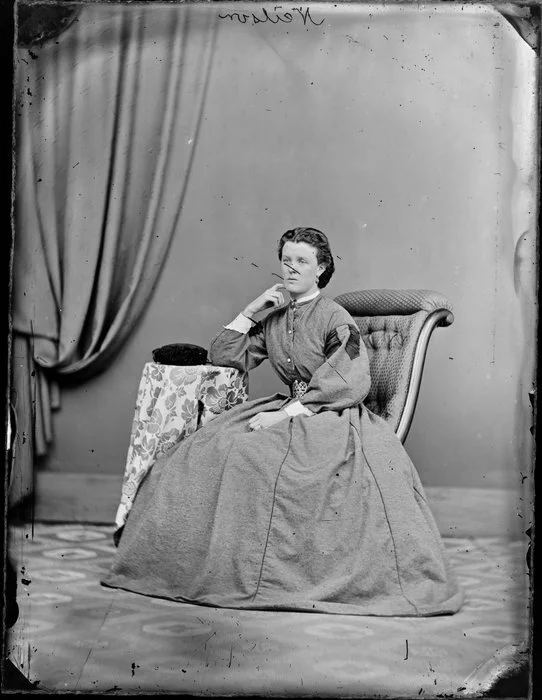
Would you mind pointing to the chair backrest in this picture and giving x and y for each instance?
(396, 325)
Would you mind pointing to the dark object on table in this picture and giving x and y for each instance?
(180, 354)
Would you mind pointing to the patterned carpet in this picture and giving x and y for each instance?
(75, 635)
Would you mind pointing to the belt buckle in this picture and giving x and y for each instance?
(298, 388)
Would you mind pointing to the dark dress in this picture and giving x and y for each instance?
(322, 513)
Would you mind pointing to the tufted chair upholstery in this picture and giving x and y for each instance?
(396, 325)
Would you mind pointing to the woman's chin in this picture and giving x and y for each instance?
(296, 292)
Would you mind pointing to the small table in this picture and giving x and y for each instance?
(172, 403)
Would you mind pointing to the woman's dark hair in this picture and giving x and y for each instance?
(317, 240)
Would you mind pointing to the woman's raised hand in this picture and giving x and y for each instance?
(271, 297)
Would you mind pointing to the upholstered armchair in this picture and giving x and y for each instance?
(396, 326)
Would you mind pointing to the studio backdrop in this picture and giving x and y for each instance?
(162, 152)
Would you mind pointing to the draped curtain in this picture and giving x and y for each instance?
(109, 115)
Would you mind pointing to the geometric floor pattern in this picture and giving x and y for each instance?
(74, 635)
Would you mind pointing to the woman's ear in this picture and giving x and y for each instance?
(321, 268)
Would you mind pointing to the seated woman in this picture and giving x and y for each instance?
(307, 502)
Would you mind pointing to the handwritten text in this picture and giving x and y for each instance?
(297, 13)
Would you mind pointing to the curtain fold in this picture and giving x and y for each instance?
(108, 121)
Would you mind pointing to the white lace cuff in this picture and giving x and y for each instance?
(241, 324)
(295, 408)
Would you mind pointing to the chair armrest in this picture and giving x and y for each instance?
(442, 317)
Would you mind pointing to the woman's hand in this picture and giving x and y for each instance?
(264, 420)
(271, 297)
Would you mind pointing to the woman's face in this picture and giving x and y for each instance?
(300, 268)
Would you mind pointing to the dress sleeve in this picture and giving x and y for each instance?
(344, 379)
(240, 344)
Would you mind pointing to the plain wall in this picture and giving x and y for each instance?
(392, 129)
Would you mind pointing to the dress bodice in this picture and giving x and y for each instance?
(318, 343)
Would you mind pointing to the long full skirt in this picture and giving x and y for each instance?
(323, 513)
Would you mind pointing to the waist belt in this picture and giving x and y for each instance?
(298, 388)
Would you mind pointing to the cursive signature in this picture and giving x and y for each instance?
(287, 17)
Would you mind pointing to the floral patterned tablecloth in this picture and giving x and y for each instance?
(173, 402)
